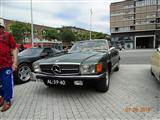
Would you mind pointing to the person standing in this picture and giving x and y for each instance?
(8, 63)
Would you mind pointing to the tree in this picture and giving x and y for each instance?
(67, 35)
(100, 36)
(51, 34)
(19, 30)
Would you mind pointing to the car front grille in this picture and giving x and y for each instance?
(65, 69)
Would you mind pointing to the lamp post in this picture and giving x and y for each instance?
(90, 24)
(1, 9)
(32, 34)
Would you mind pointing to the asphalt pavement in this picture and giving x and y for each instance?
(139, 56)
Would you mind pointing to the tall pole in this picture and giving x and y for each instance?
(32, 34)
(90, 24)
(1, 9)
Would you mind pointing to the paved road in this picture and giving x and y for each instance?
(134, 95)
(136, 56)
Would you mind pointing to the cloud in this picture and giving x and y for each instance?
(57, 13)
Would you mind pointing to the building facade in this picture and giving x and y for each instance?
(135, 23)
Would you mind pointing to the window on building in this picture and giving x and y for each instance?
(132, 28)
(151, 20)
(112, 30)
(144, 21)
(145, 2)
(158, 20)
(151, 15)
(121, 29)
(26, 40)
(43, 32)
(117, 13)
(158, 14)
(138, 22)
(131, 5)
(116, 29)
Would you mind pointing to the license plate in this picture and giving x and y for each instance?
(57, 82)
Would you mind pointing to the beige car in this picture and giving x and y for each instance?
(155, 64)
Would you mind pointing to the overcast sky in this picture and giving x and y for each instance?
(58, 13)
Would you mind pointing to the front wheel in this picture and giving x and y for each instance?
(23, 73)
(151, 71)
(103, 84)
(117, 67)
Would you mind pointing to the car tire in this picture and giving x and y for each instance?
(103, 84)
(152, 72)
(23, 73)
(47, 84)
(117, 67)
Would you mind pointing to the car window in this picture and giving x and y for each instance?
(47, 50)
(55, 50)
(31, 52)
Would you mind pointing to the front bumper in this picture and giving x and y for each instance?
(72, 77)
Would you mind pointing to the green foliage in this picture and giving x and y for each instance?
(99, 36)
(67, 35)
(51, 34)
(85, 35)
(19, 30)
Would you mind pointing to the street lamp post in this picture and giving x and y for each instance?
(1, 9)
(90, 24)
(32, 34)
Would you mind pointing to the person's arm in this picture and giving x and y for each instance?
(14, 53)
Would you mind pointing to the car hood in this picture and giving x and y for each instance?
(78, 58)
(26, 58)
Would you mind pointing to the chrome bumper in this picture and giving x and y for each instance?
(74, 77)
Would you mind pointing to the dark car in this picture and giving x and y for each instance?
(25, 60)
(87, 61)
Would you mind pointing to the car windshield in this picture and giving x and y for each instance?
(92, 45)
(31, 52)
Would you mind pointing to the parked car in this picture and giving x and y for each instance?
(87, 61)
(25, 60)
(155, 64)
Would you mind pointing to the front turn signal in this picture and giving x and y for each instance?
(99, 68)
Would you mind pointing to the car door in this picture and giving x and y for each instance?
(114, 57)
(47, 52)
(153, 63)
(111, 56)
(157, 64)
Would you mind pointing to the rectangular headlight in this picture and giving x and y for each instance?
(36, 68)
(87, 69)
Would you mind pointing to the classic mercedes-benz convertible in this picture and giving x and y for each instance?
(87, 61)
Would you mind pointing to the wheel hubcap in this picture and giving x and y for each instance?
(24, 73)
